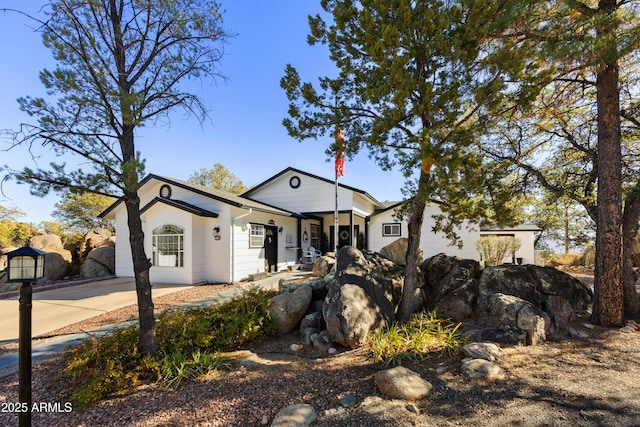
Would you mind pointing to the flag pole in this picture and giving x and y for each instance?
(335, 220)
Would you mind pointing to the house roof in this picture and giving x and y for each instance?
(180, 205)
(385, 206)
(215, 194)
(301, 172)
(519, 227)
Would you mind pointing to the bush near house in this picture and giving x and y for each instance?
(189, 342)
(494, 249)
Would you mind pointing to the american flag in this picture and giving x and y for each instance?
(340, 153)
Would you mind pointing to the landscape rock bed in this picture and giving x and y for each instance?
(590, 379)
(587, 382)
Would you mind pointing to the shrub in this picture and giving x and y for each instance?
(494, 249)
(420, 338)
(189, 342)
(565, 260)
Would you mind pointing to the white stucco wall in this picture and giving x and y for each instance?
(431, 243)
(246, 260)
(124, 261)
(313, 195)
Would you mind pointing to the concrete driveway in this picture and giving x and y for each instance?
(53, 309)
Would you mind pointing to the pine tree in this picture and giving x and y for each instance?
(414, 83)
(119, 67)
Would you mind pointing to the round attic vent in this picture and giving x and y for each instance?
(165, 191)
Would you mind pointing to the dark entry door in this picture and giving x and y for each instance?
(344, 236)
(271, 247)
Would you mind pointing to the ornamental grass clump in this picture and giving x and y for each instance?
(189, 345)
(419, 339)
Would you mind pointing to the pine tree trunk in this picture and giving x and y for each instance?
(630, 227)
(608, 296)
(141, 265)
(411, 276)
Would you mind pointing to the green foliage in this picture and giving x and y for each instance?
(177, 367)
(219, 178)
(15, 234)
(79, 211)
(99, 95)
(189, 342)
(416, 87)
(424, 335)
(119, 65)
(494, 249)
(218, 327)
(545, 256)
(108, 365)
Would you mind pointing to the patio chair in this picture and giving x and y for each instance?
(310, 255)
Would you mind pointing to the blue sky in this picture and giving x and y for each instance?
(244, 133)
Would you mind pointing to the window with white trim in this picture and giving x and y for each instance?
(256, 236)
(315, 236)
(168, 246)
(391, 229)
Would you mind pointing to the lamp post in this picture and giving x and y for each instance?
(25, 265)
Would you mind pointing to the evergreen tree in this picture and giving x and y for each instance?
(80, 212)
(219, 177)
(120, 65)
(584, 43)
(414, 82)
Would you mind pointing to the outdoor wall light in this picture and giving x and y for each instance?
(280, 230)
(216, 233)
(25, 265)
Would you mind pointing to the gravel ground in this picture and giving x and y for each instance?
(588, 382)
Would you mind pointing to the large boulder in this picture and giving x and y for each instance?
(105, 255)
(288, 309)
(96, 238)
(508, 310)
(527, 304)
(535, 285)
(509, 280)
(56, 267)
(51, 243)
(99, 263)
(364, 296)
(554, 282)
(396, 251)
(436, 268)
(323, 265)
(91, 269)
(451, 285)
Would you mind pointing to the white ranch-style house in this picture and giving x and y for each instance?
(196, 234)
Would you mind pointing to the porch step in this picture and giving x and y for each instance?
(257, 276)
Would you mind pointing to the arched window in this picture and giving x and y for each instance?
(168, 246)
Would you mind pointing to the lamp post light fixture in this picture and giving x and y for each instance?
(25, 265)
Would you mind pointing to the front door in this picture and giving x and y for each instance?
(344, 236)
(271, 247)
